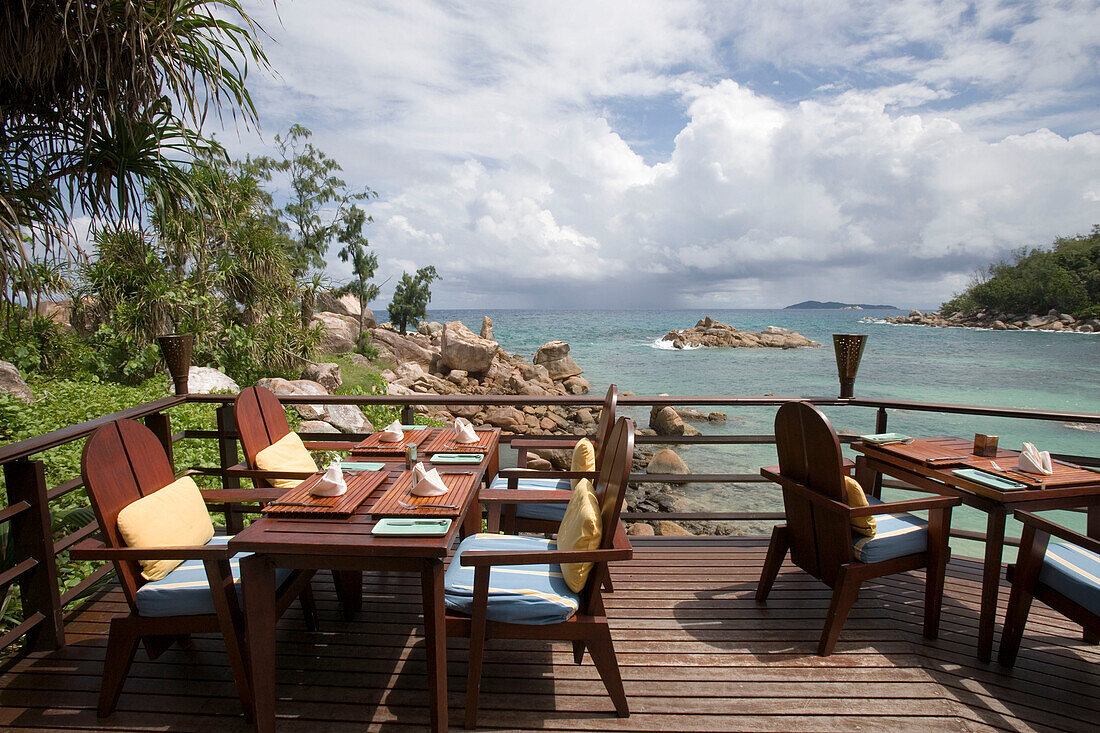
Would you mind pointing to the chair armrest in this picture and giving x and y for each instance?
(483, 558)
(237, 496)
(542, 496)
(542, 443)
(1057, 530)
(329, 444)
(908, 505)
(934, 502)
(528, 473)
(242, 471)
(96, 550)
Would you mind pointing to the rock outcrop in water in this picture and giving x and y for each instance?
(711, 333)
(1052, 321)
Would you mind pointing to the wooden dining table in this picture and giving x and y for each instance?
(347, 546)
(930, 464)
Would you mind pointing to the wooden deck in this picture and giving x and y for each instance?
(696, 653)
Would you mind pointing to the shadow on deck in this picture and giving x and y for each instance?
(696, 653)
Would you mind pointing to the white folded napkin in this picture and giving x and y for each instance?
(332, 483)
(392, 433)
(427, 483)
(464, 431)
(1033, 460)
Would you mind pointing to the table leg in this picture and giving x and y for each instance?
(349, 589)
(991, 579)
(258, 588)
(435, 642)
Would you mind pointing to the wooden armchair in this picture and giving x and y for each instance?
(536, 603)
(1063, 575)
(261, 421)
(544, 516)
(124, 462)
(818, 531)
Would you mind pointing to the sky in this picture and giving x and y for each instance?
(741, 154)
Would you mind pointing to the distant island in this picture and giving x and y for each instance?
(832, 304)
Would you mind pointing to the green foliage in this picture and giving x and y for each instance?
(363, 263)
(213, 267)
(307, 216)
(62, 403)
(35, 343)
(411, 297)
(1065, 277)
(99, 102)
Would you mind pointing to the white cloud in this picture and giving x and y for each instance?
(916, 152)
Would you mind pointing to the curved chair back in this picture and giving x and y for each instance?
(261, 421)
(607, 421)
(809, 454)
(121, 463)
(613, 475)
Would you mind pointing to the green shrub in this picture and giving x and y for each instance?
(1065, 277)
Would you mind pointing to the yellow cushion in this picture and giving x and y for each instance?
(174, 516)
(288, 453)
(856, 498)
(580, 529)
(584, 459)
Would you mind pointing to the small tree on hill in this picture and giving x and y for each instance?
(364, 263)
(319, 201)
(411, 297)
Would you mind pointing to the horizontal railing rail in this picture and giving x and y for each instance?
(34, 562)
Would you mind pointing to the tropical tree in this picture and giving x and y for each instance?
(319, 202)
(213, 267)
(411, 297)
(101, 104)
(363, 262)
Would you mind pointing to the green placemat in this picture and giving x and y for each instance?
(988, 479)
(393, 527)
(361, 466)
(880, 438)
(457, 457)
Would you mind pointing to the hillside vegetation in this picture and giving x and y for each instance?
(1064, 277)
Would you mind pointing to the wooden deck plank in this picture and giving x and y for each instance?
(695, 650)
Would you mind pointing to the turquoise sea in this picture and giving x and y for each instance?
(1044, 370)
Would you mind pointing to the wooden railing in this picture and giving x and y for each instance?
(34, 562)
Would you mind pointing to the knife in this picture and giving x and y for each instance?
(292, 503)
(418, 522)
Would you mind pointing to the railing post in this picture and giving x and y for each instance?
(32, 532)
(161, 425)
(880, 420)
(880, 427)
(227, 456)
(408, 414)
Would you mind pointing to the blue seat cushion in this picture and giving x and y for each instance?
(553, 512)
(897, 535)
(186, 592)
(518, 594)
(1074, 572)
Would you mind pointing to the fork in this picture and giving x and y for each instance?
(406, 505)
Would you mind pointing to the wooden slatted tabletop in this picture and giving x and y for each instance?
(360, 485)
(460, 483)
(445, 440)
(374, 445)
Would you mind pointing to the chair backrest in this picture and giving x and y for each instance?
(121, 463)
(610, 490)
(261, 421)
(809, 454)
(607, 421)
(614, 472)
